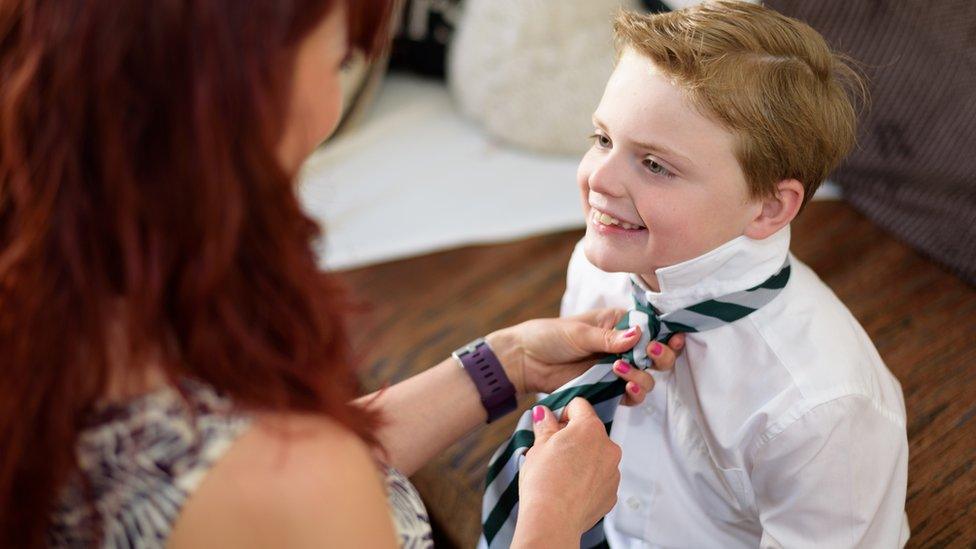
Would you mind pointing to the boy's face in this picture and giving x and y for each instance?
(664, 171)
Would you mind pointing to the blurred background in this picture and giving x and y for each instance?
(450, 206)
(469, 131)
(471, 128)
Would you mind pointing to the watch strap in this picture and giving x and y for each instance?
(496, 390)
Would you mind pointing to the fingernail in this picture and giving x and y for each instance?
(656, 349)
(621, 367)
(538, 413)
(630, 332)
(633, 388)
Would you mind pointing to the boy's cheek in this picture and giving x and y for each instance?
(582, 184)
(583, 172)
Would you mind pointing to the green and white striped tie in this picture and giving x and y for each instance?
(603, 389)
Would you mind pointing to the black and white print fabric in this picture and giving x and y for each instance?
(140, 461)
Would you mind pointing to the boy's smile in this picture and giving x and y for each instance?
(661, 183)
(608, 221)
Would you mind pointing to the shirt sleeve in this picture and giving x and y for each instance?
(835, 477)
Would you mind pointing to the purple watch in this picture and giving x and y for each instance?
(497, 392)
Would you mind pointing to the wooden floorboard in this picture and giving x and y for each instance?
(921, 318)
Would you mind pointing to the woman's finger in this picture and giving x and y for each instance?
(593, 339)
(544, 424)
(662, 356)
(580, 411)
(639, 382)
(601, 318)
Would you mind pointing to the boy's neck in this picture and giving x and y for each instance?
(741, 261)
(651, 281)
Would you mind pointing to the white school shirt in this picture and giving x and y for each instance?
(782, 429)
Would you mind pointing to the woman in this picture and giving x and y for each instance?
(176, 369)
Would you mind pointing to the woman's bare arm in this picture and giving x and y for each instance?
(428, 412)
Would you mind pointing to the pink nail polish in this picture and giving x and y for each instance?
(630, 332)
(538, 413)
(621, 367)
(656, 349)
(634, 389)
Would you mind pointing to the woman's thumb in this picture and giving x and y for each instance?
(609, 340)
(544, 424)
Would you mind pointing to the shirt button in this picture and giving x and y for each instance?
(633, 503)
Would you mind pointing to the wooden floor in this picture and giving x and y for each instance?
(922, 319)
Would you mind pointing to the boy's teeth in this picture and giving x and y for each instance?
(608, 220)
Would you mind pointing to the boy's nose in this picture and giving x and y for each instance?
(607, 177)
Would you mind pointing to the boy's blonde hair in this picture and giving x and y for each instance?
(771, 80)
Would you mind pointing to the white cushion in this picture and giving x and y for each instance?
(533, 72)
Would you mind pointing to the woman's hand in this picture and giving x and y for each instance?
(569, 478)
(541, 355)
(427, 412)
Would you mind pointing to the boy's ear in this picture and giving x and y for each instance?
(777, 210)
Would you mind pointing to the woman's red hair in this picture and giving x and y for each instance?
(139, 185)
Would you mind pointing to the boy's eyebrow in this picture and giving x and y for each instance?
(683, 161)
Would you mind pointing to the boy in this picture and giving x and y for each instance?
(782, 428)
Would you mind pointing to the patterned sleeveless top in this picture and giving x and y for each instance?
(141, 460)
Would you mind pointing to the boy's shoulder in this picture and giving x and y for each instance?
(818, 341)
(808, 311)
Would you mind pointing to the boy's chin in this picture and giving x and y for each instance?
(604, 259)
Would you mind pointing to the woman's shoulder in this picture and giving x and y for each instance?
(290, 480)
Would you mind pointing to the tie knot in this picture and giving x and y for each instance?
(648, 317)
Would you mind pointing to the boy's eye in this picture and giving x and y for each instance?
(601, 140)
(656, 168)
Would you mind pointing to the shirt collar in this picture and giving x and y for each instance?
(737, 265)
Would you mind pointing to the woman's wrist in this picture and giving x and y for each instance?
(537, 529)
(507, 347)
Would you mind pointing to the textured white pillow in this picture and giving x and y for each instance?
(533, 71)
